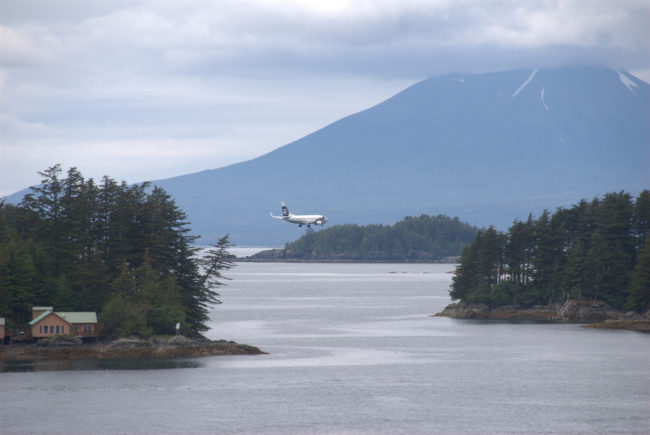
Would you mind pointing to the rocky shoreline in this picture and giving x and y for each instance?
(592, 315)
(278, 255)
(66, 348)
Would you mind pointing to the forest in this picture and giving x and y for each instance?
(123, 251)
(594, 250)
(423, 238)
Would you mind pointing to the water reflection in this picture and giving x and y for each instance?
(100, 364)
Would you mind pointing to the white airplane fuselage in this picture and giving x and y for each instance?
(300, 219)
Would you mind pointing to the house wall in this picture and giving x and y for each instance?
(50, 326)
(2, 332)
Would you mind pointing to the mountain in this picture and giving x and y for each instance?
(487, 148)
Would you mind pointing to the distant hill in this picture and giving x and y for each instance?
(413, 239)
(484, 147)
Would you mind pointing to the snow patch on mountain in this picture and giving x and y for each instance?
(524, 84)
(627, 81)
(541, 95)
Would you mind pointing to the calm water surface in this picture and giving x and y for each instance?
(352, 350)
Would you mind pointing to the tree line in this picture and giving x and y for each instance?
(594, 250)
(122, 250)
(423, 238)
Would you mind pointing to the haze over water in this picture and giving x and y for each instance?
(353, 349)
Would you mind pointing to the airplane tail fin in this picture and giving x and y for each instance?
(285, 210)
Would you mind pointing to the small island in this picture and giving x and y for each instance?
(421, 239)
(105, 271)
(587, 264)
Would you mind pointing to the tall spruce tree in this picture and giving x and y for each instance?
(639, 298)
(642, 219)
(466, 279)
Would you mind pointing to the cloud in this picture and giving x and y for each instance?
(233, 79)
(29, 47)
(229, 36)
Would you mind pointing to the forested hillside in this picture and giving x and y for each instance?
(122, 250)
(595, 250)
(423, 238)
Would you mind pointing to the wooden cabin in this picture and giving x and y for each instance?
(48, 323)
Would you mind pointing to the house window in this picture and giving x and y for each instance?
(57, 329)
(40, 329)
(62, 329)
(88, 328)
(51, 329)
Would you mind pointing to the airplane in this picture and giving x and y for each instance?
(300, 219)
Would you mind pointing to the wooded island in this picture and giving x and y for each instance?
(416, 239)
(123, 251)
(594, 251)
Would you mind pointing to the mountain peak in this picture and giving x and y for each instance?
(487, 148)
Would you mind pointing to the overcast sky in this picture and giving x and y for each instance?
(150, 89)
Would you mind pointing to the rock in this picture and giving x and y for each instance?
(128, 342)
(641, 325)
(180, 340)
(60, 341)
(130, 347)
(573, 311)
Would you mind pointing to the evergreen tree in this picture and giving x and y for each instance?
(491, 264)
(159, 297)
(518, 255)
(465, 280)
(200, 295)
(639, 298)
(125, 285)
(617, 247)
(642, 219)
(94, 279)
(45, 203)
(74, 225)
(124, 314)
(64, 297)
(216, 260)
(18, 281)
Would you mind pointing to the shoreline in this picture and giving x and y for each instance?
(64, 348)
(453, 260)
(295, 260)
(589, 315)
(278, 255)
